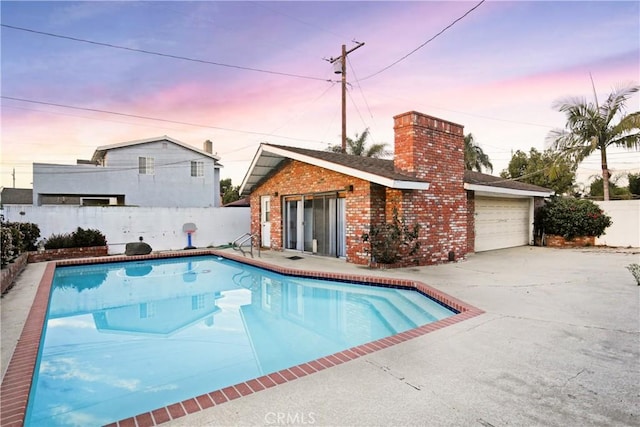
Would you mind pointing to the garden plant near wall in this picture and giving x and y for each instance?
(392, 242)
(571, 218)
(17, 238)
(635, 270)
(80, 238)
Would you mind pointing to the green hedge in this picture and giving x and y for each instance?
(570, 217)
(78, 239)
(17, 238)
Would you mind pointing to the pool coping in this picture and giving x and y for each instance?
(16, 383)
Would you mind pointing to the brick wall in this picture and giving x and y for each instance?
(553, 241)
(11, 271)
(425, 146)
(471, 221)
(296, 178)
(67, 253)
(433, 149)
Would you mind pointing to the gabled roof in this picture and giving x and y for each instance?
(102, 150)
(269, 158)
(16, 196)
(380, 171)
(483, 183)
(244, 202)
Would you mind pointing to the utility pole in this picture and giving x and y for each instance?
(343, 70)
(13, 174)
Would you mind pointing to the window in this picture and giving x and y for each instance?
(147, 310)
(197, 168)
(197, 302)
(145, 165)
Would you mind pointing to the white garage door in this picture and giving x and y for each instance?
(501, 223)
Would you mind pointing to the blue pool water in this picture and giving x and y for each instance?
(126, 338)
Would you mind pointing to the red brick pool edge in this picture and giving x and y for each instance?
(16, 383)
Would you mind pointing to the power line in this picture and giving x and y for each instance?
(263, 5)
(96, 110)
(58, 113)
(299, 113)
(166, 55)
(360, 87)
(425, 43)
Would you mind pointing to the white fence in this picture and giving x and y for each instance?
(625, 230)
(161, 228)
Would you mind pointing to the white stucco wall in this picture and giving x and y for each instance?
(625, 230)
(160, 227)
(171, 185)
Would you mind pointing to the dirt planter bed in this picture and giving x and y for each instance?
(66, 253)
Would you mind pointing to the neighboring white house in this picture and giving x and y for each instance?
(150, 172)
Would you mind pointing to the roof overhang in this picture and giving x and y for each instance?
(268, 158)
(490, 191)
(101, 150)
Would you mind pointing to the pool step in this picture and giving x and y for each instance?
(430, 310)
(390, 314)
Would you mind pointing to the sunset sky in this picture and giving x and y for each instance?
(252, 72)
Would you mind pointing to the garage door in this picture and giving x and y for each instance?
(501, 223)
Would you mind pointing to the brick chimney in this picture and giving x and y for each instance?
(207, 147)
(433, 149)
(426, 145)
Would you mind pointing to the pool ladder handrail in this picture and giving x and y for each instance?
(242, 240)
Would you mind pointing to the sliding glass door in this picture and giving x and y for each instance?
(316, 223)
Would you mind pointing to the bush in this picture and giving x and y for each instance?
(17, 237)
(78, 239)
(635, 270)
(569, 218)
(391, 242)
(30, 233)
(6, 244)
(59, 241)
(85, 238)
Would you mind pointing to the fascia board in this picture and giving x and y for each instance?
(496, 191)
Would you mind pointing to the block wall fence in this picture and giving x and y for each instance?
(160, 227)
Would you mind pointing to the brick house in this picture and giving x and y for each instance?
(323, 203)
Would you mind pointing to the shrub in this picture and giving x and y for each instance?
(390, 242)
(6, 244)
(17, 237)
(635, 270)
(569, 218)
(59, 241)
(78, 239)
(85, 238)
(29, 235)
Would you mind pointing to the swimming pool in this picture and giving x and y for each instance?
(107, 314)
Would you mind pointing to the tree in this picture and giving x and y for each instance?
(596, 189)
(225, 184)
(545, 169)
(634, 183)
(358, 147)
(228, 191)
(474, 157)
(591, 126)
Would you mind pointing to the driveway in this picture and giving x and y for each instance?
(558, 345)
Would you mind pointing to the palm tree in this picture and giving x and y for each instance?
(591, 126)
(474, 157)
(358, 147)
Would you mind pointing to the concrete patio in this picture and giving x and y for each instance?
(558, 345)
